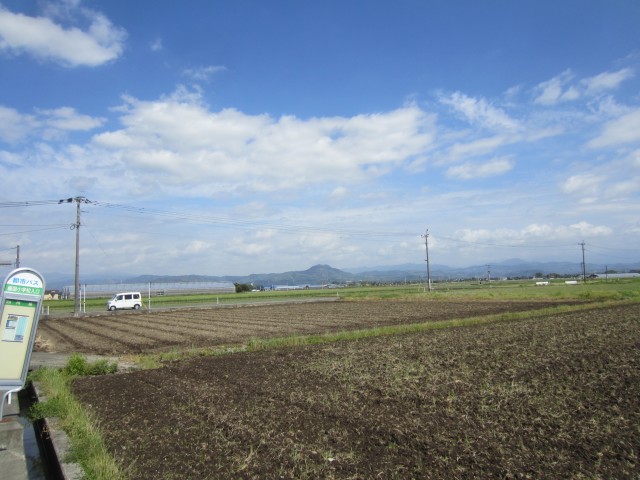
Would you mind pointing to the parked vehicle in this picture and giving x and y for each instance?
(125, 300)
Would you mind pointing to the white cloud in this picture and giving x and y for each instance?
(339, 193)
(44, 39)
(203, 74)
(417, 165)
(571, 93)
(624, 129)
(584, 229)
(10, 158)
(513, 92)
(535, 232)
(179, 141)
(66, 118)
(198, 246)
(552, 91)
(480, 112)
(471, 170)
(265, 234)
(505, 130)
(606, 80)
(15, 126)
(624, 188)
(584, 184)
(476, 147)
(560, 89)
(156, 45)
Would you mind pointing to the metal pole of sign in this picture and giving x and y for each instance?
(5, 397)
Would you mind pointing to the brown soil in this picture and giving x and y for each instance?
(550, 397)
(130, 333)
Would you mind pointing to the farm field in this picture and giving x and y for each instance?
(124, 333)
(554, 396)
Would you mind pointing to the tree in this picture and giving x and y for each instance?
(242, 287)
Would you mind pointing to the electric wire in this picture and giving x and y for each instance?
(487, 244)
(606, 255)
(208, 219)
(35, 230)
(31, 203)
(247, 223)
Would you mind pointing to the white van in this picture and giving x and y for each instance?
(125, 300)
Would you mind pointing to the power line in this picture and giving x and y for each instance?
(521, 245)
(37, 230)
(247, 223)
(37, 225)
(613, 248)
(607, 255)
(208, 219)
(31, 203)
(95, 239)
(17, 249)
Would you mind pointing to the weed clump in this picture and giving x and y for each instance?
(77, 365)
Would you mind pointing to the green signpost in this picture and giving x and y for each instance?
(22, 295)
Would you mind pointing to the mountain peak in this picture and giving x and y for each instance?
(320, 268)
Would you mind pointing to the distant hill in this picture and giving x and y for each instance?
(325, 274)
(316, 275)
(512, 268)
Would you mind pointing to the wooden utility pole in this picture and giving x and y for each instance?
(584, 265)
(426, 245)
(76, 226)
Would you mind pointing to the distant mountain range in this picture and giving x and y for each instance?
(325, 274)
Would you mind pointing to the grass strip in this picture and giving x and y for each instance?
(87, 446)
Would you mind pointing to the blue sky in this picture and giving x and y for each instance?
(249, 136)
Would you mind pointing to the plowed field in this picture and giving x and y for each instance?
(144, 332)
(541, 397)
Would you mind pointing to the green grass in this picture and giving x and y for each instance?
(60, 307)
(87, 446)
(496, 290)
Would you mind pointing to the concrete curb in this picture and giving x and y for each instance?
(13, 462)
(56, 445)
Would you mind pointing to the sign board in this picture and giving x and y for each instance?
(20, 306)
